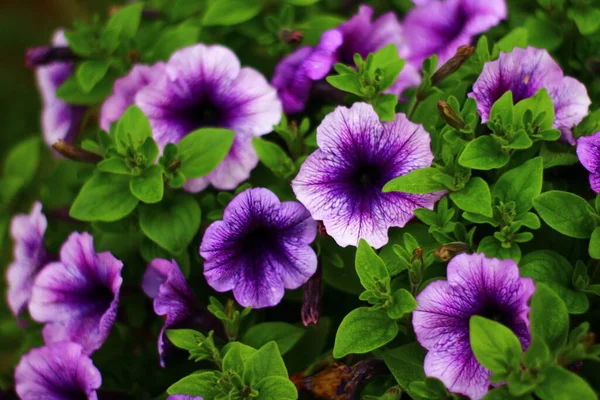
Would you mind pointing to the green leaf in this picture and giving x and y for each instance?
(475, 197)
(231, 12)
(363, 330)
(126, 21)
(587, 20)
(132, 129)
(594, 247)
(403, 303)
(235, 358)
(493, 249)
(186, 8)
(348, 83)
(20, 167)
(203, 384)
(174, 39)
(554, 271)
(561, 384)
(71, 92)
(385, 107)
(543, 34)
(149, 149)
(406, 363)
(483, 153)
(549, 318)
(105, 197)
(90, 72)
(419, 181)
(516, 38)
(369, 266)
(521, 185)
(557, 154)
(274, 157)
(149, 186)
(387, 60)
(202, 150)
(172, 223)
(566, 213)
(114, 165)
(285, 335)
(276, 388)
(186, 339)
(502, 109)
(538, 104)
(495, 346)
(266, 362)
(301, 3)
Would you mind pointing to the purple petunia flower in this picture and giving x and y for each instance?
(124, 92)
(77, 297)
(60, 120)
(30, 256)
(205, 86)
(260, 247)
(524, 72)
(588, 151)
(183, 397)
(441, 27)
(57, 371)
(476, 285)
(295, 74)
(165, 284)
(341, 182)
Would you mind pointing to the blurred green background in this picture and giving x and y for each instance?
(25, 23)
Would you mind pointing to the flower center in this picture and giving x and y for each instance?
(258, 239)
(205, 114)
(496, 313)
(102, 297)
(367, 176)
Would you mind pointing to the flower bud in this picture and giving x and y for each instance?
(452, 65)
(450, 116)
(76, 153)
(44, 55)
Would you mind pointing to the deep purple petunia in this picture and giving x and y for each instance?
(77, 297)
(60, 120)
(260, 248)
(183, 397)
(124, 91)
(588, 151)
(30, 256)
(341, 182)
(295, 74)
(57, 371)
(205, 86)
(441, 27)
(476, 285)
(524, 72)
(165, 284)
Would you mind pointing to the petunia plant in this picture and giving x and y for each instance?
(308, 199)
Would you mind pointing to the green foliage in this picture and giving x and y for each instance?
(202, 150)
(362, 331)
(566, 213)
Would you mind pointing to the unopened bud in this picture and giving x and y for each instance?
(311, 307)
(448, 251)
(290, 36)
(452, 65)
(450, 116)
(44, 55)
(76, 153)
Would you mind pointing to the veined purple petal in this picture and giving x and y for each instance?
(57, 371)
(476, 285)
(341, 182)
(124, 92)
(60, 120)
(205, 86)
(524, 72)
(441, 27)
(77, 297)
(183, 397)
(260, 248)
(30, 256)
(588, 151)
(156, 274)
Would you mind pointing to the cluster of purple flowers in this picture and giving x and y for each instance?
(262, 246)
(434, 27)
